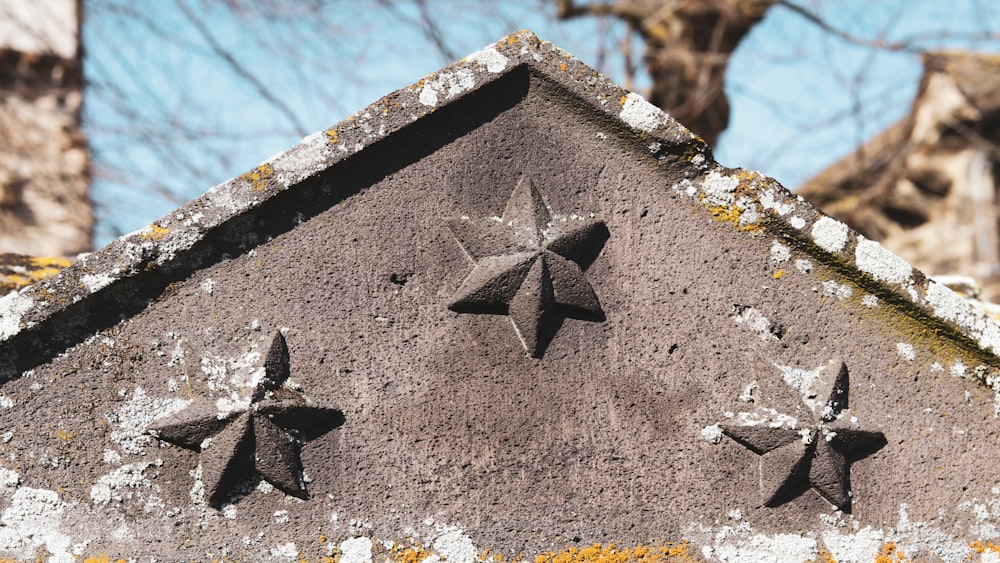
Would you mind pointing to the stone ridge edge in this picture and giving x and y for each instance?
(760, 206)
(747, 200)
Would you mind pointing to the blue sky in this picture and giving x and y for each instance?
(167, 119)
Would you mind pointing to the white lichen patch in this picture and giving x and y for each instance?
(121, 484)
(96, 282)
(958, 369)
(285, 550)
(804, 266)
(869, 301)
(839, 291)
(769, 201)
(712, 434)
(32, 522)
(861, 546)
(740, 544)
(748, 212)
(235, 378)
(719, 189)
(175, 242)
(454, 546)
(906, 351)
(797, 222)
(490, 58)
(428, 95)
(872, 258)
(830, 234)
(208, 286)
(9, 479)
(132, 418)
(922, 536)
(111, 457)
(640, 114)
(844, 541)
(356, 550)
(803, 381)
(755, 321)
(974, 322)
(13, 306)
(780, 251)
(766, 417)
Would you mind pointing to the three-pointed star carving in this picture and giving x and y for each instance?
(264, 436)
(529, 267)
(794, 459)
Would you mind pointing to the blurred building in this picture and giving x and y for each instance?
(44, 163)
(927, 187)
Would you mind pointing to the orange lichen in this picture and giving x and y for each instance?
(981, 547)
(408, 553)
(597, 553)
(259, 177)
(102, 558)
(563, 67)
(624, 99)
(891, 554)
(824, 556)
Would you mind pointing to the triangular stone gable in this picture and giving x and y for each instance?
(510, 308)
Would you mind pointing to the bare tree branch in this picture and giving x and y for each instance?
(242, 72)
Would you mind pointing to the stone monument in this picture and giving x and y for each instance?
(509, 312)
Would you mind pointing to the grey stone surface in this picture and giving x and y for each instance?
(520, 310)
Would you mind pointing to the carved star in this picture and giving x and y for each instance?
(819, 456)
(262, 436)
(529, 266)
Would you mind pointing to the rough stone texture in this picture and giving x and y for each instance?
(752, 362)
(926, 187)
(44, 163)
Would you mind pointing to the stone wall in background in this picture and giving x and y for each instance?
(44, 162)
(926, 188)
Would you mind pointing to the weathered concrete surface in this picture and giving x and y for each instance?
(547, 319)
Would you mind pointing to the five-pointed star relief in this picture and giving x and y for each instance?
(793, 459)
(529, 266)
(262, 436)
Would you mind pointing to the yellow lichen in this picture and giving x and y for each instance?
(779, 274)
(624, 99)
(66, 436)
(259, 177)
(154, 232)
(332, 137)
(563, 67)
(731, 214)
(611, 553)
(17, 271)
